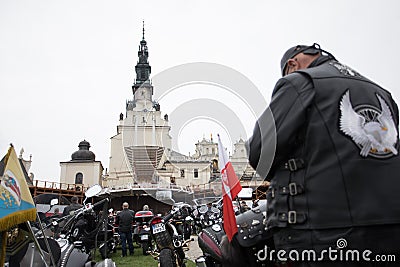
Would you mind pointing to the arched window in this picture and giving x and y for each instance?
(214, 165)
(79, 178)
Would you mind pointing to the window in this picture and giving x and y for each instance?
(182, 173)
(79, 178)
(214, 166)
(196, 173)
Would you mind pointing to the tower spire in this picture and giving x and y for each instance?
(143, 68)
(143, 30)
(143, 71)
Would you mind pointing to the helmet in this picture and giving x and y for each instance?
(295, 50)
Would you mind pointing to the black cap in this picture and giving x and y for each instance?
(295, 50)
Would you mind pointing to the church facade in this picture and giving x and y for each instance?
(141, 152)
(141, 155)
(142, 142)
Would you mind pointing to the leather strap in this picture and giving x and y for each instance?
(292, 217)
(293, 165)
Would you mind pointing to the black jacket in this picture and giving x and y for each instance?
(314, 145)
(124, 220)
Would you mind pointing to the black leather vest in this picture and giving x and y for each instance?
(336, 186)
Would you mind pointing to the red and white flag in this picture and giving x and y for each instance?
(230, 189)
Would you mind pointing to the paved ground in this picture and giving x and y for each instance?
(194, 251)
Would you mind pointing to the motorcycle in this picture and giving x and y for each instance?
(168, 241)
(183, 220)
(63, 251)
(249, 246)
(110, 245)
(85, 227)
(209, 221)
(111, 223)
(142, 229)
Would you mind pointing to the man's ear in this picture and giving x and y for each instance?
(292, 62)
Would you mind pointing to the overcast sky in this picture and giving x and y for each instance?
(67, 67)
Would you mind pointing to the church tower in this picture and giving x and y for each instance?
(83, 169)
(142, 142)
(142, 88)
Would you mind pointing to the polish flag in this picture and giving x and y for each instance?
(230, 189)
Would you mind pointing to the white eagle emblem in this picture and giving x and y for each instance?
(375, 134)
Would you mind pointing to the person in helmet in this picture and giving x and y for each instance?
(328, 143)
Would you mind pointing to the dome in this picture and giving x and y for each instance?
(83, 153)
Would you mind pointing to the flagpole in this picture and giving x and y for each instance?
(239, 205)
(230, 189)
(37, 245)
(3, 247)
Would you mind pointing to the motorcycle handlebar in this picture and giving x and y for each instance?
(89, 207)
(101, 202)
(170, 215)
(86, 208)
(52, 223)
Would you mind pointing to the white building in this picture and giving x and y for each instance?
(142, 143)
(185, 171)
(141, 153)
(240, 163)
(82, 169)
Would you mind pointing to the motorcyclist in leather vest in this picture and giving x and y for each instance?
(335, 171)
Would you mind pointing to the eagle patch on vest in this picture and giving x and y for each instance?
(373, 130)
(345, 70)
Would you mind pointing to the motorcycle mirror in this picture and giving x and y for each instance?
(54, 201)
(93, 190)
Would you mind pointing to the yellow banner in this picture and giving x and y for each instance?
(16, 203)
